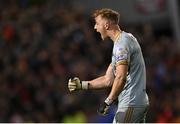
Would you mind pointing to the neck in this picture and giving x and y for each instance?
(114, 34)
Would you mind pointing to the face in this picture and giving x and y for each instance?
(101, 26)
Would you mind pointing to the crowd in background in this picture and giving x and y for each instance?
(43, 45)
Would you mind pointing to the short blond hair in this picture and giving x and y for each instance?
(108, 14)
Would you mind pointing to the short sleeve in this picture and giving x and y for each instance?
(122, 56)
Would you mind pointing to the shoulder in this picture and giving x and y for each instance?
(123, 40)
(128, 36)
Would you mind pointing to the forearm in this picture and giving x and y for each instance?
(99, 83)
(117, 87)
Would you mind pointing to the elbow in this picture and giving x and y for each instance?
(108, 81)
(121, 78)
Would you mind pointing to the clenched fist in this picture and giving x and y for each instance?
(77, 84)
(104, 108)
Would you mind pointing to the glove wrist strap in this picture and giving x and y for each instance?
(85, 85)
(108, 101)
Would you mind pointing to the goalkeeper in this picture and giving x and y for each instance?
(126, 73)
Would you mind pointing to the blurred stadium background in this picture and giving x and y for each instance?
(45, 42)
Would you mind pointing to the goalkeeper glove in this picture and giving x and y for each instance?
(104, 108)
(76, 84)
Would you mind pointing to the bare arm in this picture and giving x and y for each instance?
(118, 84)
(103, 81)
(119, 81)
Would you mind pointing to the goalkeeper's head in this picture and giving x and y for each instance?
(106, 19)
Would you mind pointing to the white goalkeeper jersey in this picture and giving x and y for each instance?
(126, 50)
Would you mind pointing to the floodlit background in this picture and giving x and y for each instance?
(45, 42)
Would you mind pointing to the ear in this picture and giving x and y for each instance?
(107, 26)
